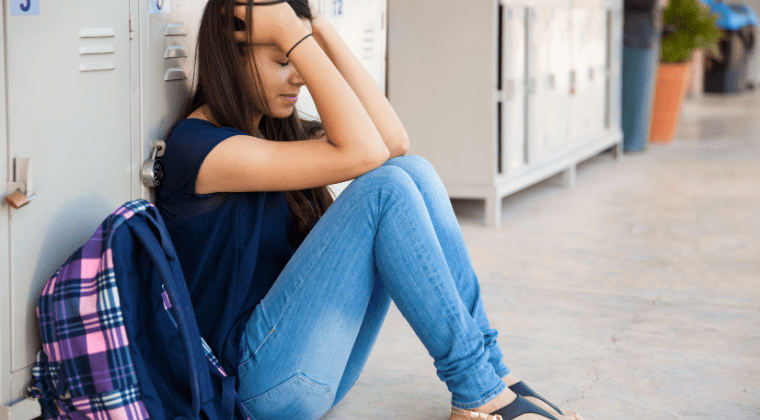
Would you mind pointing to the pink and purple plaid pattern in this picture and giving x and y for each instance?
(83, 331)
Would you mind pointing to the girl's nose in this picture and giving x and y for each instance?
(295, 78)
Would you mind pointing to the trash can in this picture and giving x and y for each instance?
(642, 24)
(738, 22)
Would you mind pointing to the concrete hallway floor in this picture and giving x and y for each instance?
(634, 295)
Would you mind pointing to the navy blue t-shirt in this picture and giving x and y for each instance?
(232, 246)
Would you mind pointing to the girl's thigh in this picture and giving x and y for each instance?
(297, 343)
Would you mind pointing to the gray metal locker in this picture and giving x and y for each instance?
(597, 72)
(501, 94)
(69, 97)
(615, 69)
(90, 84)
(513, 124)
(580, 66)
(559, 79)
(541, 90)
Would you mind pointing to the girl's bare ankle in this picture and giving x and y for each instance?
(504, 398)
(509, 379)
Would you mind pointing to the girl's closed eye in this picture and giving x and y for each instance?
(283, 64)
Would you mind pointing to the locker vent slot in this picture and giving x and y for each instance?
(368, 44)
(97, 49)
(96, 33)
(175, 51)
(96, 66)
(175, 29)
(499, 49)
(499, 148)
(175, 74)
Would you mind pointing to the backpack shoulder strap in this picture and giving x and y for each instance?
(152, 233)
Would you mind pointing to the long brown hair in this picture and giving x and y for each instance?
(222, 73)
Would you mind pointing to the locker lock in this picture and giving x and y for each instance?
(17, 199)
(152, 170)
(22, 184)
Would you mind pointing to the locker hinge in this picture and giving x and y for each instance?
(131, 26)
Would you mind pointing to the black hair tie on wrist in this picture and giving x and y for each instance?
(294, 46)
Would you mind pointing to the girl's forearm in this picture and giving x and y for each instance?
(347, 124)
(369, 93)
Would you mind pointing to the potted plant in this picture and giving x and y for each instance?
(688, 27)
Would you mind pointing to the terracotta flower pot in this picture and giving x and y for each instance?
(672, 81)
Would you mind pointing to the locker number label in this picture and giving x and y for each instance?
(337, 8)
(25, 7)
(159, 7)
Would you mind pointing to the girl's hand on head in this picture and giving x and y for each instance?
(316, 18)
(275, 24)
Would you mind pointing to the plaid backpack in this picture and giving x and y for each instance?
(119, 335)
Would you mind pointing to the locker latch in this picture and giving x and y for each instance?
(22, 186)
(152, 169)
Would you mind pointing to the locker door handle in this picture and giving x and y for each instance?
(22, 186)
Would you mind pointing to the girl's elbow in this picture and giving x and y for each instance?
(403, 145)
(382, 155)
(371, 158)
(400, 145)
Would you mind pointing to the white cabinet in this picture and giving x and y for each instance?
(499, 95)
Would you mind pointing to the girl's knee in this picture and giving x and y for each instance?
(410, 161)
(384, 177)
(416, 166)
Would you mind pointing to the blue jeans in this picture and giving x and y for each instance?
(391, 234)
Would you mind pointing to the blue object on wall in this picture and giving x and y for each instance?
(732, 17)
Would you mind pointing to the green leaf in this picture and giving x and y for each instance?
(694, 28)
